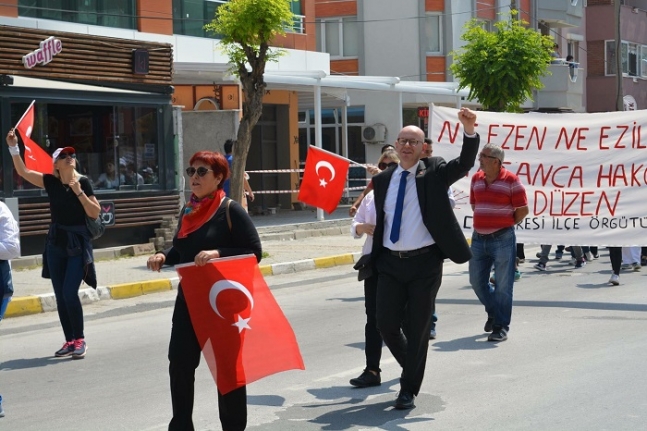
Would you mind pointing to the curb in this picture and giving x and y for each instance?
(26, 305)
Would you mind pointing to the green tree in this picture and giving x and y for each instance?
(247, 27)
(503, 67)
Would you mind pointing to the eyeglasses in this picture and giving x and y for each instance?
(481, 155)
(202, 171)
(64, 156)
(382, 166)
(405, 141)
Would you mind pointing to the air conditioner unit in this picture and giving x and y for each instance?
(374, 133)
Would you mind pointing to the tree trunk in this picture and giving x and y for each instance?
(252, 110)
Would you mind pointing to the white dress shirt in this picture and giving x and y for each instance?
(413, 232)
(365, 214)
(9, 234)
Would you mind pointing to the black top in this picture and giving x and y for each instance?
(216, 235)
(64, 206)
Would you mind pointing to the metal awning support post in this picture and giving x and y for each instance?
(344, 140)
(318, 136)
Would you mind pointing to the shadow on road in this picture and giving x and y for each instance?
(23, 364)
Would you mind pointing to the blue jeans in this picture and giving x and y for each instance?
(498, 252)
(3, 306)
(66, 273)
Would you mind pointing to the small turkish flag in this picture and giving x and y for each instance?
(324, 178)
(241, 329)
(36, 158)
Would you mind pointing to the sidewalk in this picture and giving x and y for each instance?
(293, 241)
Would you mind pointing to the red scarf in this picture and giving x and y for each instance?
(199, 211)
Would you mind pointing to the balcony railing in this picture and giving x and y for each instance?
(564, 88)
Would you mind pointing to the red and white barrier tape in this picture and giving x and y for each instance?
(267, 192)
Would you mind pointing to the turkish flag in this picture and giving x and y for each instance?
(324, 178)
(36, 158)
(241, 329)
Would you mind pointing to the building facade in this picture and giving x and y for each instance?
(111, 93)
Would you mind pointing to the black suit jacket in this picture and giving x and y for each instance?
(435, 208)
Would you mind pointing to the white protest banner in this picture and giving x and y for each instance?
(585, 174)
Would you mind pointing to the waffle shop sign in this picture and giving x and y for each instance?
(43, 55)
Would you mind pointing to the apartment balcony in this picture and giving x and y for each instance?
(560, 13)
(563, 89)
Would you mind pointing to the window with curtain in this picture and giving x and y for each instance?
(433, 34)
(338, 37)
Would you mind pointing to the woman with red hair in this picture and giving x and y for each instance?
(210, 226)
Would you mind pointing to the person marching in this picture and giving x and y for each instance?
(210, 226)
(415, 230)
(68, 258)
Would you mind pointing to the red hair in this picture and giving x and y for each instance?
(216, 161)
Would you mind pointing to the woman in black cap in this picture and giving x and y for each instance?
(68, 252)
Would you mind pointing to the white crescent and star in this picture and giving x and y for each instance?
(327, 165)
(241, 323)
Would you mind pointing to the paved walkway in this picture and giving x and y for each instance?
(292, 241)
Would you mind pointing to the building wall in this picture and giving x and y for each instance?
(208, 130)
(601, 89)
(391, 38)
(155, 16)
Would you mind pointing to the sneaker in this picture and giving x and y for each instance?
(615, 279)
(636, 266)
(517, 275)
(66, 350)
(559, 255)
(588, 256)
(580, 263)
(489, 324)
(80, 348)
(596, 256)
(432, 334)
(538, 254)
(499, 335)
(366, 379)
(540, 266)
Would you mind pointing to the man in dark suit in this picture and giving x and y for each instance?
(415, 230)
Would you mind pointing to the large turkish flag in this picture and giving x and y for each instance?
(241, 329)
(324, 178)
(36, 158)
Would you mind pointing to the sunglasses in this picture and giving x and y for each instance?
(383, 165)
(64, 156)
(202, 171)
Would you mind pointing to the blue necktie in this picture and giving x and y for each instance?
(399, 205)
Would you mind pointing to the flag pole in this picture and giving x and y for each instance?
(352, 162)
(23, 115)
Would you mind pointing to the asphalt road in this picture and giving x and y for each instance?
(575, 360)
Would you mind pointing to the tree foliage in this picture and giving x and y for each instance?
(247, 27)
(503, 67)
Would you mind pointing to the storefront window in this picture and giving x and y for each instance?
(113, 13)
(116, 147)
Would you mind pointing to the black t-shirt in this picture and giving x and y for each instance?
(65, 207)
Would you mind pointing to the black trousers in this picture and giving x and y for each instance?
(615, 255)
(184, 358)
(372, 337)
(406, 291)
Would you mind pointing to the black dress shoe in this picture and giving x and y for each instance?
(366, 379)
(404, 400)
